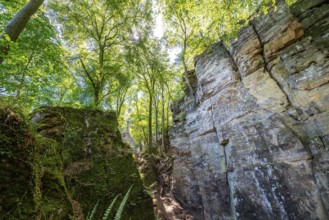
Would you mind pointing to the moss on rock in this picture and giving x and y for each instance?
(72, 159)
(16, 197)
(97, 164)
(31, 181)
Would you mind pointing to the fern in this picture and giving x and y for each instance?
(91, 216)
(108, 210)
(122, 205)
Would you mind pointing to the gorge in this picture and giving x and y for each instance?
(249, 139)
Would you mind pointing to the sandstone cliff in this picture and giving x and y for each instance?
(254, 141)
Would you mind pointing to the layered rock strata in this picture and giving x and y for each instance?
(253, 143)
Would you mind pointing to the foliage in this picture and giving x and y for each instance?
(118, 214)
(193, 25)
(97, 32)
(92, 214)
(34, 71)
(122, 205)
(152, 91)
(109, 209)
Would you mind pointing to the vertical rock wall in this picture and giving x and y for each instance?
(254, 142)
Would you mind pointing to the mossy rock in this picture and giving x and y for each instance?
(30, 173)
(16, 197)
(97, 164)
(71, 159)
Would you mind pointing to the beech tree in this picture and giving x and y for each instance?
(101, 53)
(97, 32)
(17, 24)
(147, 68)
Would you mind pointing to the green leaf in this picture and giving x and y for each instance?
(108, 210)
(122, 205)
(91, 216)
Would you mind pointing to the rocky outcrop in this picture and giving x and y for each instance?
(72, 160)
(31, 183)
(254, 143)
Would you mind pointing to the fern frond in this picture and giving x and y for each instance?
(122, 205)
(91, 216)
(108, 210)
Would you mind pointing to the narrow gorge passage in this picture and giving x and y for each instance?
(134, 110)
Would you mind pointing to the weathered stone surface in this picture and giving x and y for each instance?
(266, 90)
(293, 32)
(215, 71)
(247, 51)
(277, 30)
(208, 158)
(256, 140)
(303, 6)
(269, 192)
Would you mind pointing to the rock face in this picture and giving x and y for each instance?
(254, 141)
(73, 159)
(31, 183)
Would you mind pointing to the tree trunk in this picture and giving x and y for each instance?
(150, 120)
(139, 119)
(22, 81)
(18, 23)
(96, 97)
(163, 120)
(156, 118)
(168, 106)
(187, 80)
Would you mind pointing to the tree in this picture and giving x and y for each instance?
(97, 32)
(147, 60)
(34, 72)
(18, 23)
(193, 25)
(180, 32)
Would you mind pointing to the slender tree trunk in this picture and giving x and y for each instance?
(18, 23)
(61, 98)
(185, 66)
(156, 118)
(22, 81)
(150, 120)
(163, 119)
(96, 97)
(168, 119)
(168, 106)
(139, 119)
(187, 81)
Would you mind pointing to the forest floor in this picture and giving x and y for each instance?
(166, 207)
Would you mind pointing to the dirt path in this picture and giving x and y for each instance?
(167, 208)
(165, 204)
